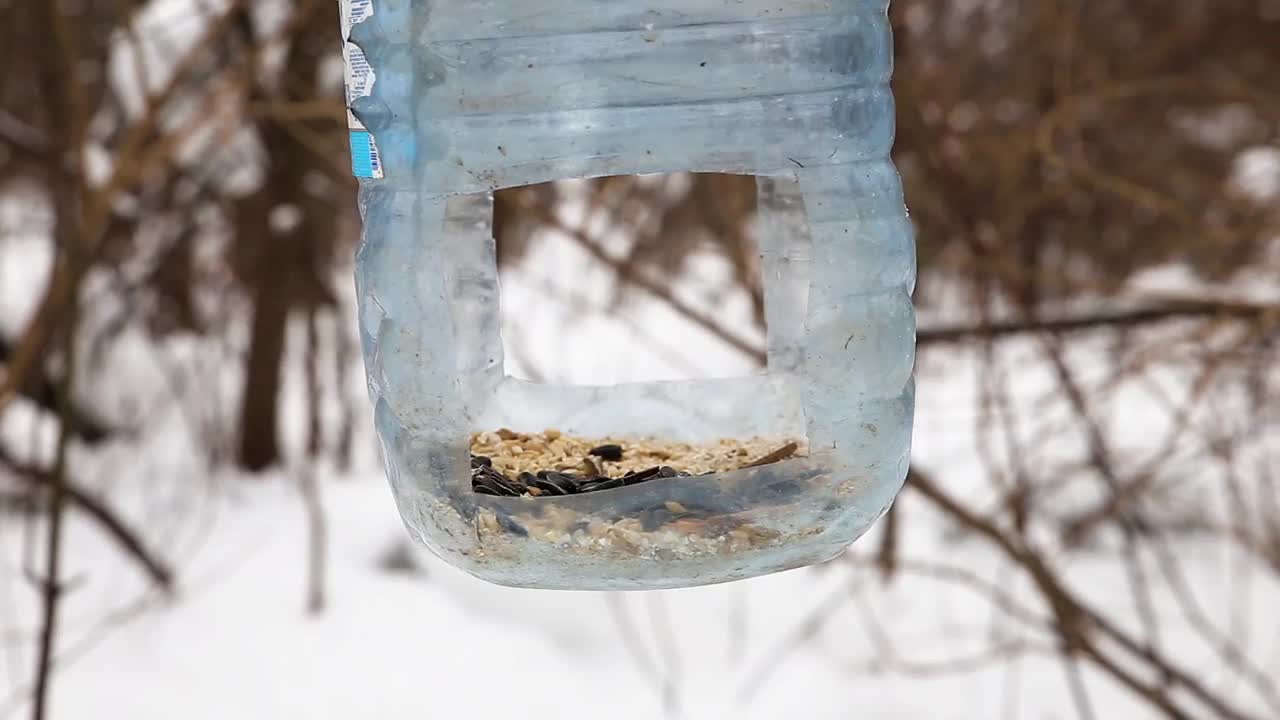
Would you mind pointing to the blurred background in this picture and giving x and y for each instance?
(193, 517)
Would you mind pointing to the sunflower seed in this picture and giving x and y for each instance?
(495, 482)
(635, 478)
(610, 452)
(601, 483)
(778, 455)
(547, 486)
(567, 483)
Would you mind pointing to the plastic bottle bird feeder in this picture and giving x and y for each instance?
(454, 99)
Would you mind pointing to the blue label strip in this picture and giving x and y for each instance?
(364, 156)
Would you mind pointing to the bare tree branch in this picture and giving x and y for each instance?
(43, 390)
(129, 539)
(68, 117)
(1185, 310)
(1078, 624)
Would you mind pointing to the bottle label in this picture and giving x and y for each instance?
(365, 161)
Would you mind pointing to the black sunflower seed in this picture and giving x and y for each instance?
(552, 484)
(547, 488)
(635, 478)
(602, 484)
(526, 479)
(491, 482)
(492, 472)
(667, 472)
(479, 461)
(568, 483)
(610, 452)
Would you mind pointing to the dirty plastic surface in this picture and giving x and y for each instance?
(471, 96)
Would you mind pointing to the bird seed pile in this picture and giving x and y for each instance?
(508, 463)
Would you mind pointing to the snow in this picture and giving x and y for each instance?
(24, 225)
(239, 645)
(643, 340)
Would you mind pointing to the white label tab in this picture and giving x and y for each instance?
(365, 160)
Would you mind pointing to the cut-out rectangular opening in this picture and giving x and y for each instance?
(633, 324)
(631, 279)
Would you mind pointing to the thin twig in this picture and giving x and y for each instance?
(51, 583)
(1231, 654)
(317, 538)
(1079, 691)
(1077, 622)
(309, 484)
(804, 630)
(67, 119)
(670, 651)
(1184, 310)
(632, 639)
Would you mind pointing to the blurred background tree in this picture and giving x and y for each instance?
(192, 171)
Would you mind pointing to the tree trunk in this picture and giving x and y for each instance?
(283, 259)
(259, 406)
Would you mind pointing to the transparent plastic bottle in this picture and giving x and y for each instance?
(463, 97)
